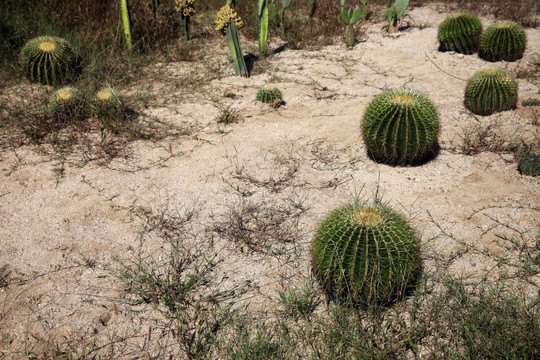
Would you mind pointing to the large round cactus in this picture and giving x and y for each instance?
(365, 253)
(489, 91)
(460, 33)
(504, 40)
(66, 103)
(49, 60)
(400, 127)
(268, 94)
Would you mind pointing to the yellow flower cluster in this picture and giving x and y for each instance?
(225, 16)
(185, 7)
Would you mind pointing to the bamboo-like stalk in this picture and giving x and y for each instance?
(233, 40)
(262, 6)
(124, 13)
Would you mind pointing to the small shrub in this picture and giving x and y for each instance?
(530, 165)
(504, 40)
(365, 253)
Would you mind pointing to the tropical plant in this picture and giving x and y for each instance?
(394, 14)
(350, 17)
(400, 127)
(228, 22)
(126, 23)
(504, 40)
(49, 60)
(460, 32)
(268, 94)
(366, 254)
(489, 91)
(277, 15)
(186, 10)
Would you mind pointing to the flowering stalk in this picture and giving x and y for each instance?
(186, 10)
(228, 22)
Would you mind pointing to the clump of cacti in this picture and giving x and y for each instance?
(460, 33)
(400, 127)
(489, 91)
(504, 40)
(530, 165)
(66, 103)
(351, 17)
(228, 22)
(269, 94)
(186, 10)
(108, 107)
(49, 60)
(367, 254)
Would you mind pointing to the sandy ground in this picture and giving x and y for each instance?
(309, 150)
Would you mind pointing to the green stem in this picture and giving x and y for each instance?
(124, 12)
(185, 27)
(349, 36)
(155, 4)
(263, 28)
(233, 40)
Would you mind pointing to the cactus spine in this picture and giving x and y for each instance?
(268, 94)
(228, 22)
(504, 40)
(49, 60)
(489, 91)
(365, 253)
(460, 33)
(400, 127)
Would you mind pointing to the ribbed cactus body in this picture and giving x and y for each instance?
(504, 40)
(268, 94)
(49, 60)
(107, 106)
(489, 91)
(530, 165)
(66, 102)
(400, 127)
(460, 33)
(365, 253)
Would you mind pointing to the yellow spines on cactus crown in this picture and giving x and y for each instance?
(185, 7)
(225, 16)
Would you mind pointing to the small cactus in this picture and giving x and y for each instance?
(268, 94)
(107, 107)
(66, 102)
(489, 91)
(504, 40)
(400, 127)
(49, 60)
(365, 253)
(460, 33)
(530, 165)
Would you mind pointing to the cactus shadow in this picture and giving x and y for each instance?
(419, 162)
(250, 59)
